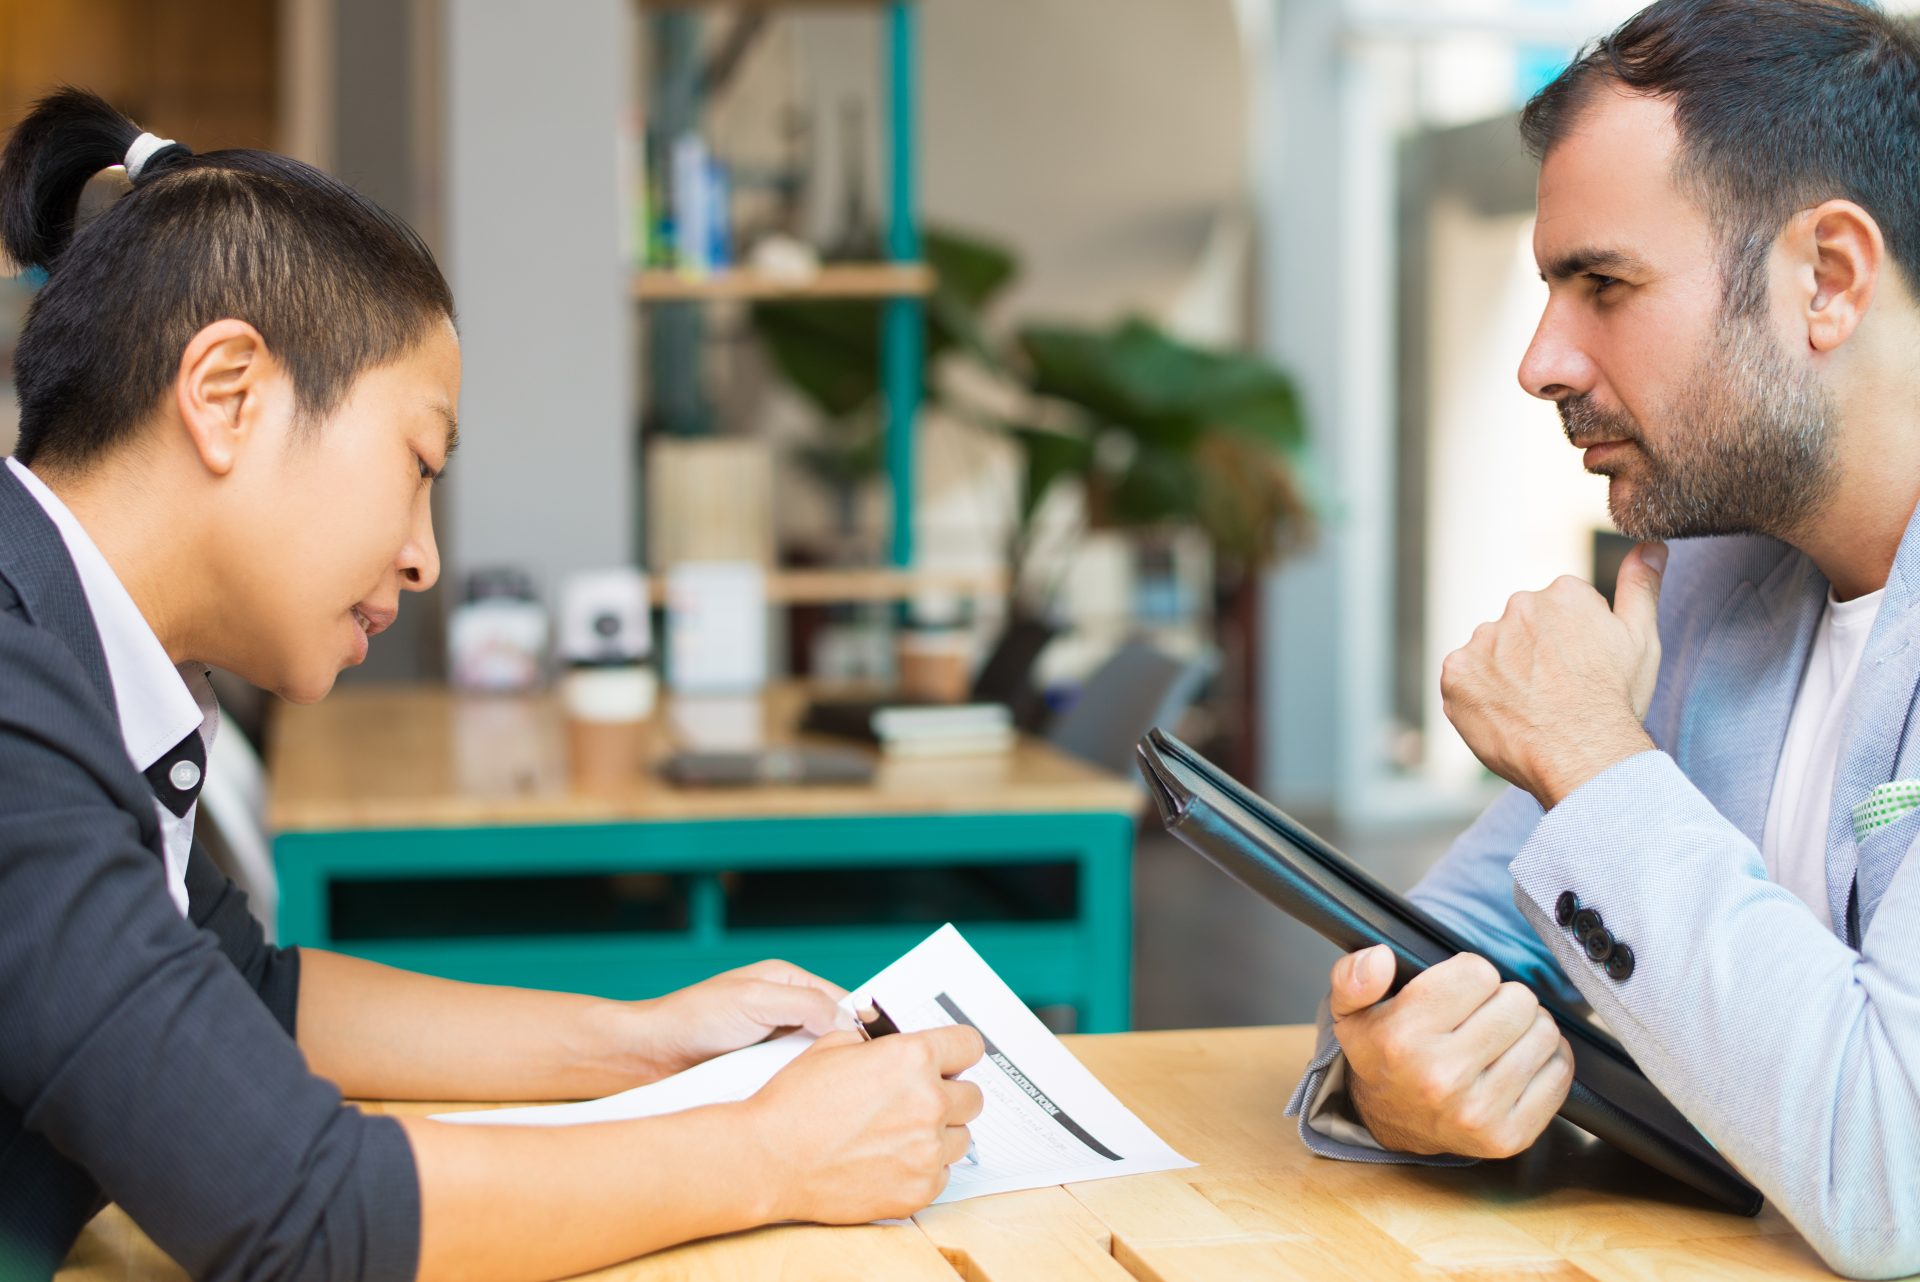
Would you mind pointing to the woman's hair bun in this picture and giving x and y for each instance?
(334, 284)
(68, 137)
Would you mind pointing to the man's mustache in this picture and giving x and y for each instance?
(1587, 424)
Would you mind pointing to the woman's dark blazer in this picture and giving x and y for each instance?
(145, 1058)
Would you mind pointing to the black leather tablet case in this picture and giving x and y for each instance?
(1311, 881)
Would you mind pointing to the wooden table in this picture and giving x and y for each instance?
(1257, 1206)
(383, 792)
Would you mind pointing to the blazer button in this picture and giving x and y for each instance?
(1585, 922)
(1620, 964)
(1599, 943)
(1565, 907)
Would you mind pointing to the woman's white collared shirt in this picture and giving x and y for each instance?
(159, 703)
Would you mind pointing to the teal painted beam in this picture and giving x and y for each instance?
(1082, 961)
(903, 337)
(731, 845)
(1043, 962)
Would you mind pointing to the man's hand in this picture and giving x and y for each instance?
(1455, 1062)
(1555, 691)
(734, 1009)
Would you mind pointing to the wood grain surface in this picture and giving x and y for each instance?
(424, 757)
(1257, 1206)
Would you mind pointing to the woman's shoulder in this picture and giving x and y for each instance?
(51, 713)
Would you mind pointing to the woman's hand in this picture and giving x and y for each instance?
(858, 1131)
(734, 1009)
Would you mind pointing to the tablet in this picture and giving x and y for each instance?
(1312, 882)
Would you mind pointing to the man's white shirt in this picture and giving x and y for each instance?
(159, 704)
(1794, 845)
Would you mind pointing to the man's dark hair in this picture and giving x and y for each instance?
(334, 283)
(1779, 105)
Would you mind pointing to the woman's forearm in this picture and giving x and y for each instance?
(512, 1203)
(382, 1033)
(849, 1131)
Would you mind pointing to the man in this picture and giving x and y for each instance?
(1707, 837)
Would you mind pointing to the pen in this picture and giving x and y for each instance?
(882, 1025)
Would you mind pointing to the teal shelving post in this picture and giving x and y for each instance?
(904, 333)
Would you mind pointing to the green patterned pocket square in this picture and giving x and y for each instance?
(1885, 804)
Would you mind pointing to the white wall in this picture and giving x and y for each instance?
(536, 93)
(1345, 82)
(1508, 505)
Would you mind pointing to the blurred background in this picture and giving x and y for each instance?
(1190, 324)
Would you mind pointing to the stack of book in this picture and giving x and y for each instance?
(947, 730)
(906, 729)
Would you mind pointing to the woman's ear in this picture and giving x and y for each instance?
(1841, 253)
(218, 392)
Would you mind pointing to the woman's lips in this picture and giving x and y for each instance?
(368, 622)
(373, 620)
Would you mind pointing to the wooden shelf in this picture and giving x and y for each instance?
(836, 280)
(762, 4)
(834, 587)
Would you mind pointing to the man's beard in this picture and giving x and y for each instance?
(1747, 450)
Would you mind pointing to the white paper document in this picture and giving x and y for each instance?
(1046, 1119)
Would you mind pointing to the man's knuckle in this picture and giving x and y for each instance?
(1433, 1085)
(1559, 1070)
(1520, 1004)
(1461, 977)
(1477, 973)
(1504, 1140)
(1471, 1116)
(1392, 1046)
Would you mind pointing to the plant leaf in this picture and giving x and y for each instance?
(1050, 456)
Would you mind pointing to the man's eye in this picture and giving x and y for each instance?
(426, 473)
(1601, 283)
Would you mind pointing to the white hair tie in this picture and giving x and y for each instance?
(144, 148)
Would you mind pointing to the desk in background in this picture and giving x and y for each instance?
(389, 803)
(1258, 1206)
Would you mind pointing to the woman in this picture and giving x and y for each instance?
(237, 387)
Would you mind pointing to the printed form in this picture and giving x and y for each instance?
(1046, 1119)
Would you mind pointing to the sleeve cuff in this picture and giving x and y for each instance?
(1330, 1112)
(390, 1194)
(1328, 1126)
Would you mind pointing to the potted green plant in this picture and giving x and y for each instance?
(1157, 431)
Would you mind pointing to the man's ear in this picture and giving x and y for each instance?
(218, 391)
(1839, 252)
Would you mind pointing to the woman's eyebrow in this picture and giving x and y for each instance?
(453, 425)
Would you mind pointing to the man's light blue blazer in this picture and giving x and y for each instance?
(1794, 1048)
